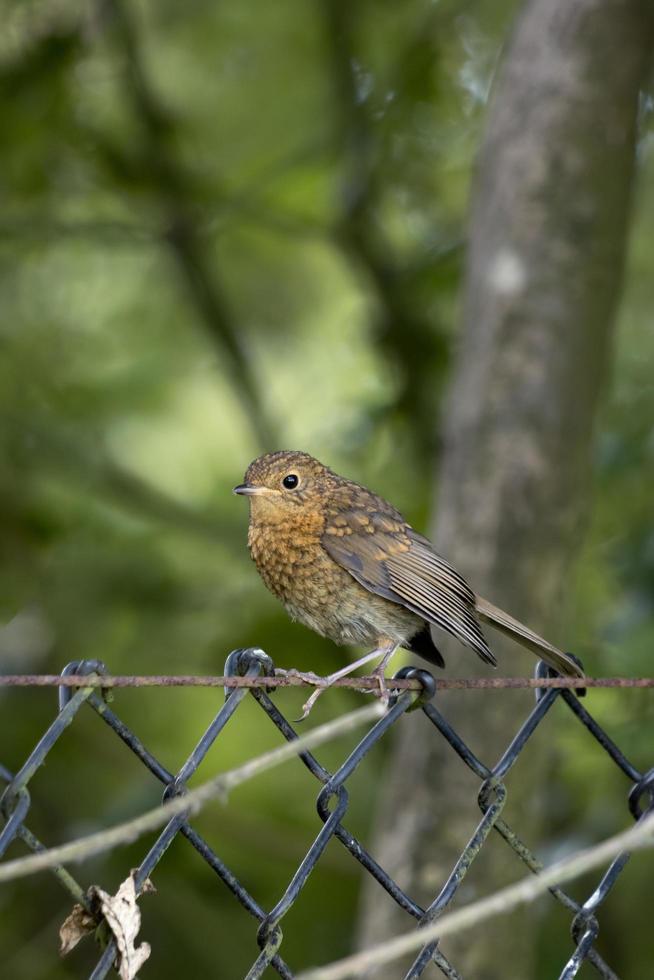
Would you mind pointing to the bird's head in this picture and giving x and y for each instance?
(285, 485)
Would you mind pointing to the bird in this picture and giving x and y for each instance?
(345, 563)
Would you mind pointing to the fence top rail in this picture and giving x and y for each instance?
(367, 683)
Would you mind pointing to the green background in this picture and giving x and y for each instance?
(127, 421)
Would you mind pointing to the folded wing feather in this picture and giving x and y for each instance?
(393, 561)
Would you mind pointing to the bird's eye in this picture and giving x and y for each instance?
(290, 481)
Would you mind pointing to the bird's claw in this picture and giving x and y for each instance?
(323, 683)
(307, 676)
(384, 693)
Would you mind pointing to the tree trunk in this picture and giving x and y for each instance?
(547, 243)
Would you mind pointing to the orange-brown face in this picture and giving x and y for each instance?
(281, 485)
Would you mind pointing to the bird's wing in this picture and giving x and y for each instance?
(390, 559)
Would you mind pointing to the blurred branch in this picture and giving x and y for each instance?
(37, 227)
(182, 233)
(409, 338)
(49, 48)
(247, 206)
(64, 456)
(130, 489)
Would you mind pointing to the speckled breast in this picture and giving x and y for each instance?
(317, 592)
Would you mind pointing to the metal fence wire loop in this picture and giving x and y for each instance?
(584, 932)
(13, 806)
(269, 938)
(427, 679)
(81, 667)
(13, 798)
(173, 790)
(579, 692)
(491, 787)
(338, 794)
(583, 924)
(641, 796)
(248, 662)
(543, 671)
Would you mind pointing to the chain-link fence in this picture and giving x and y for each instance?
(332, 805)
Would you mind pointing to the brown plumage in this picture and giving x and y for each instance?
(345, 563)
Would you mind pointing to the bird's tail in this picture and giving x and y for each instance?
(501, 621)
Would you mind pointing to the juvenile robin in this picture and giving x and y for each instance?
(344, 562)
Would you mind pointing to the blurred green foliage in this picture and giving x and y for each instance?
(226, 226)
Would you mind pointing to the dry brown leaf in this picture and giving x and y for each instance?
(123, 917)
(74, 927)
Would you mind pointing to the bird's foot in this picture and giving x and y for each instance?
(323, 683)
(307, 676)
(380, 677)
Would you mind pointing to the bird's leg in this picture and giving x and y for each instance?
(380, 670)
(309, 677)
(385, 649)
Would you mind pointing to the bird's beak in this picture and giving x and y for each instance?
(249, 490)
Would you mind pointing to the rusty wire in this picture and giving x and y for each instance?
(366, 683)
